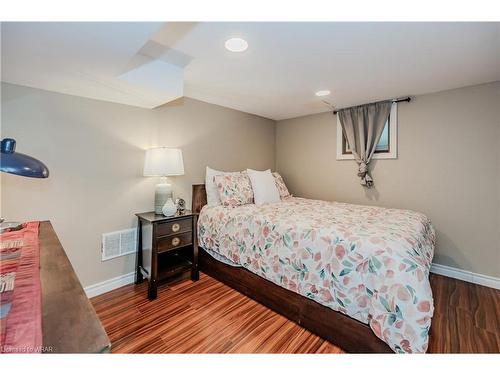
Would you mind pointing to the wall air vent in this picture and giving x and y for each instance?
(119, 243)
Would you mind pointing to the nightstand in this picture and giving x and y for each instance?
(167, 247)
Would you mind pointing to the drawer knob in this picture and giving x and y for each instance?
(176, 241)
(176, 227)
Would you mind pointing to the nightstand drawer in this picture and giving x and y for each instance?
(174, 241)
(172, 248)
(174, 227)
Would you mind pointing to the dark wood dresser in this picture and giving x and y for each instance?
(69, 322)
(167, 248)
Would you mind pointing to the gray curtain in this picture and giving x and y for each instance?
(362, 127)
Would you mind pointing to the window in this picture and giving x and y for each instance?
(386, 147)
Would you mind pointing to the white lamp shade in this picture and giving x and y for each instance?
(163, 161)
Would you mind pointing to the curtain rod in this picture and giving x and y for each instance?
(407, 99)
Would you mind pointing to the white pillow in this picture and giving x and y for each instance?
(213, 198)
(263, 186)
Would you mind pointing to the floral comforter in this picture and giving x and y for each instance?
(370, 263)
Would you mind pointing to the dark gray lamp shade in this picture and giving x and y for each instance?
(20, 164)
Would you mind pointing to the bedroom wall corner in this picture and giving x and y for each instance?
(448, 167)
(95, 153)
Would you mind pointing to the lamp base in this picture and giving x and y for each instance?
(163, 191)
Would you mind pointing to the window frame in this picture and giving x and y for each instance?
(393, 139)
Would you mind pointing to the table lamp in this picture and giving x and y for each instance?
(163, 162)
(19, 164)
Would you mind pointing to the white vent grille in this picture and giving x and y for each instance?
(119, 243)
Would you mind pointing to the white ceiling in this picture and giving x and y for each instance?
(285, 64)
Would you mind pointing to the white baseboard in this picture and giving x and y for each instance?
(109, 285)
(471, 277)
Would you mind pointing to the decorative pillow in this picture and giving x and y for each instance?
(280, 184)
(234, 189)
(263, 186)
(212, 192)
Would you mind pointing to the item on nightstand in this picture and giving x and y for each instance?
(181, 205)
(163, 162)
(169, 208)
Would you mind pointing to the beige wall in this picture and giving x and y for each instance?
(447, 167)
(95, 153)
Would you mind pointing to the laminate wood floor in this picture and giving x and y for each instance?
(209, 317)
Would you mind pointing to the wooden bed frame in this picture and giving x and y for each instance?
(341, 330)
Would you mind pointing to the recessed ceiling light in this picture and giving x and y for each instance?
(236, 44)
(322, 92)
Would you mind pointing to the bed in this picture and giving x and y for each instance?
(355, 275)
